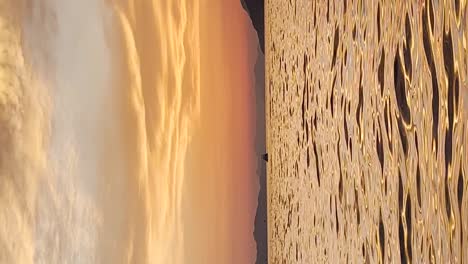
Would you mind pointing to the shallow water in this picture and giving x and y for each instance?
(367, 131)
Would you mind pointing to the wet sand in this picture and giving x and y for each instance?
(367, 131)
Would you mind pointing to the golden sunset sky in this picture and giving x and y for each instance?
(194, 106)
(222, 194)
(128, 131)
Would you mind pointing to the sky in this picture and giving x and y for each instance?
(224, 183)
(128, 130)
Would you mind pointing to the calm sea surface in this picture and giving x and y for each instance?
(367, 131)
